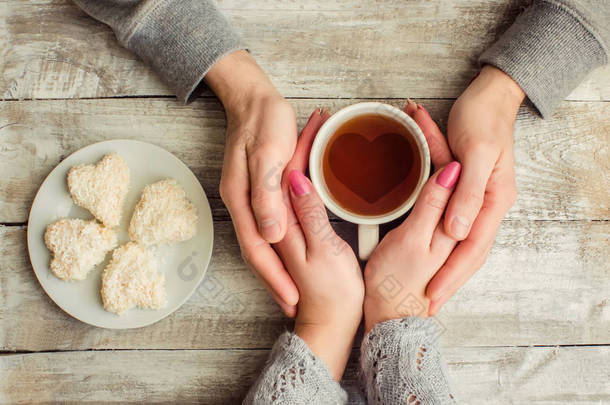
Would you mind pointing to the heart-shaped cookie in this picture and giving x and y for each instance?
(101, 188)
(131, 279)
(163, 215)
(77, 247)
(371, 169)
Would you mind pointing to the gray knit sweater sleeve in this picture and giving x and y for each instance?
(294, 376)
(180, 39)
(401, 364)
(551, 48)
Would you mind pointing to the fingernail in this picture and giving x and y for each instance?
(459, 227)
(324, 112)
(313, 114)
(298, 183)
(449, 175)
(270, 230)
(316, 112)
(421, 107)
(410, 108)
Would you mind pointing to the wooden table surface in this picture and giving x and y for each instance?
(533, 326)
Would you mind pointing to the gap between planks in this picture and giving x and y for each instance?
(336, 220)
(254, 349)
(211, 96)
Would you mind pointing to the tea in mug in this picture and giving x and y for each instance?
(371, 165)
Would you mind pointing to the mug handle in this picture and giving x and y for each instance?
(368, 238)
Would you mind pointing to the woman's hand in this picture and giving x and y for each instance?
(480, 133)
(401, 266)
(407, 258)
(261, 138)
(322, 265)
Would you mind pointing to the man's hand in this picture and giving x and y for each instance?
(480, 134)
(261, 139)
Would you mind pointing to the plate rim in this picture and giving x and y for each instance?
(206, 262)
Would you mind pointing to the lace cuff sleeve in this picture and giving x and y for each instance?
(401, 364)
(293, 375)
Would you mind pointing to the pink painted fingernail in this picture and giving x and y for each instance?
(449, 175)
(298, 183)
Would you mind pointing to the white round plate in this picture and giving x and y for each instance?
(183, 263)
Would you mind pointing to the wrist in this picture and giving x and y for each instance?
(331, 344)
(237, 80)
(378, 310)
(498, 88)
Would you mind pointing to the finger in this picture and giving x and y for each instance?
(469, 194)
(442, 244)
(440, 154)
(289, 310)
(265, 262)
(292, 249)
(467, 257)
(431, 202)
(410, 108)
(309, 210)
(266, 165)
(234, 186)
(299, 161)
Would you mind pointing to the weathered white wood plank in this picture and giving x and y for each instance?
(560, 162)
(340, 48)
(559, 375)
(545, 283)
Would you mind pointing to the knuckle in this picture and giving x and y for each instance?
(409, 242)
(260, 200)
(435, 201)
(480, 252)
(316, 222)
(473, 198)
(227, 193)
(511, 195)
(224, 190)
(246, 257)
(248, 254)
(285, 108)
(292, 232)
(338, 243)
(480, 147)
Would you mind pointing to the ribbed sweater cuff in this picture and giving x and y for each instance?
(182, 40)
(548, 52)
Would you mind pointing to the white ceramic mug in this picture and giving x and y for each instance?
(368, 226)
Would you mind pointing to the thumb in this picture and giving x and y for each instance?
(300, 159)
(469, 194)
(309, 209)
(266, 166)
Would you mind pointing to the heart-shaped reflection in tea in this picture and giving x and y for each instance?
(353, 159)
(371, 165)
